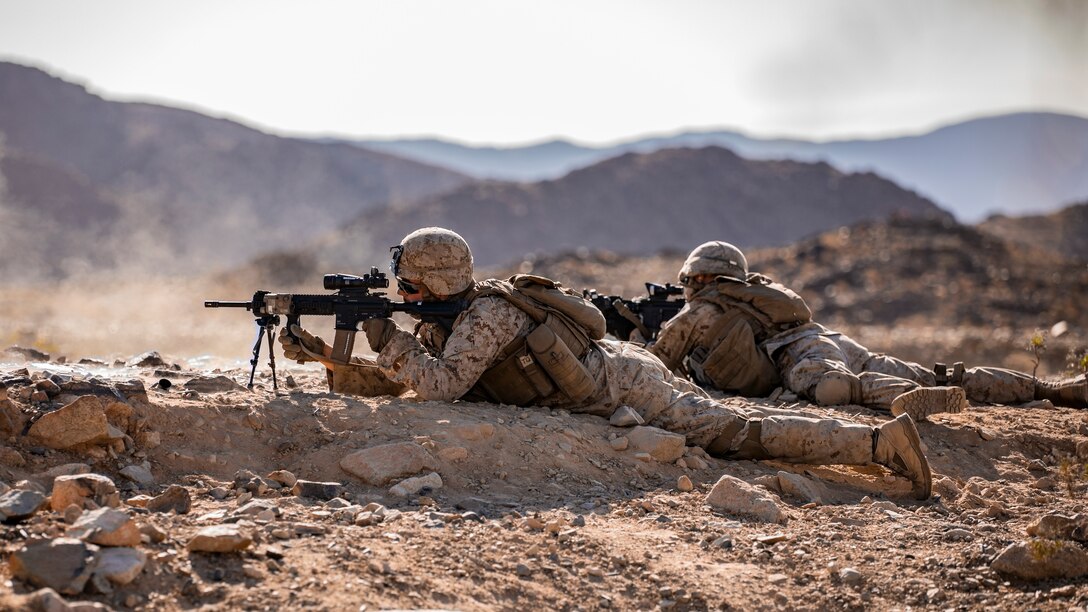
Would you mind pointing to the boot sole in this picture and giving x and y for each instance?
(920, 403)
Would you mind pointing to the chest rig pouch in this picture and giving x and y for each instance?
(730, 355)
(546, 363)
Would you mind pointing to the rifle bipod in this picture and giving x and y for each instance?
(265, 325)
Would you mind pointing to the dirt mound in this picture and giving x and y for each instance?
(534, 508)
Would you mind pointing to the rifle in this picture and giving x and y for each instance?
(646, 314)
(352, 304)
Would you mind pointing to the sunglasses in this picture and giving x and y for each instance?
(395, 253)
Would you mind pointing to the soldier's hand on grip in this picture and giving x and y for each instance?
(293, 344)
(379, 332)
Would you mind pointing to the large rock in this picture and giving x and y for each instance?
(417, 484)
(662, 445)
(804, 489)
(1058, 527)
(106, 527)
(1040, 559)
(120, 565)
(212, 384)
(80, 488)
(63, 564)
(380, 465)
(138, 474)
(80, 422)
(219, 539)
(20, 504)
(734, 496)
(316, 490)
(175, 498)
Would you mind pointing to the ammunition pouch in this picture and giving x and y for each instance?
(539, 365)
(735, 361)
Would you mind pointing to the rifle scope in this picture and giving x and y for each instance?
(372, 280)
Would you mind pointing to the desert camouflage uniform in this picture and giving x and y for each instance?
(445, 368)
(805, 354)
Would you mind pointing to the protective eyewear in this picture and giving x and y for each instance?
(407, 287)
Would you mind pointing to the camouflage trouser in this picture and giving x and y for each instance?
(805, 361)
(638, 379)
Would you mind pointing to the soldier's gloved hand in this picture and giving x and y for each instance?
(292, 345)
(637, 337)
(379, 332)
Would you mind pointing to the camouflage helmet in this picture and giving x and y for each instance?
(436, 257)
(717, 258)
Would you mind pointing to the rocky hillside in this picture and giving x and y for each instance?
(1063, 232)
(641, 204)
(186, 187)
(1016, 163)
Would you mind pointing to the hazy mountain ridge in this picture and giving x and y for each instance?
(197, 188)
(642, 204)
(1016, 163)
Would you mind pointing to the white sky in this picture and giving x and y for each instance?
(513, 71)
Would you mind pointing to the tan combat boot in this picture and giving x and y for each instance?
(1071, 393)
(920, 403)
(896, 446)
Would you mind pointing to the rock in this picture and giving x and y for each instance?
(734, 496)
(958, 534)
(317, 490)
(82, 488)
(523, 570)
(11, 457)
(283, 477)
(138, 501)
(850, 575)
(20, 504)
(64, 564)
(150, 359)
(1082, 449)
(120, 565)
(620, 443)
(138, 474)
(453, 453)
(1058, 527)
(946, 488)
(802, 488)
(625, 416)
(25, 354)
(219, 539)
(72, 514)
(684, 483)
(256, 507)
(153, 532)
(380, 465)
(80, 422)
(472, 431)
(777, 579)
(413, 486)
(106, 527)
(175, 498)
(119, 413)
(664, 446)
(1041, 559)
(212, 384)
(49, 387)
(1046, 483)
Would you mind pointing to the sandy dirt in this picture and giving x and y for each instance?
(538, 511)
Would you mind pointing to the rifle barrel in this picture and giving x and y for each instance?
(221, 304)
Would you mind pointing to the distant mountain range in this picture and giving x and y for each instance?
(638, 204)
(174, 188)
(1014, 164)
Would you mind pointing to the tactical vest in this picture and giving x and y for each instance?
(546, 363)
(729, 356)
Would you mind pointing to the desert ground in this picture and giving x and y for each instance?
(156, 480)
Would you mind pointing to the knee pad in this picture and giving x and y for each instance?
(837, 389)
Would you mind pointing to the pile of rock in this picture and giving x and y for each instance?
(89, 417)
(1056, 550)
